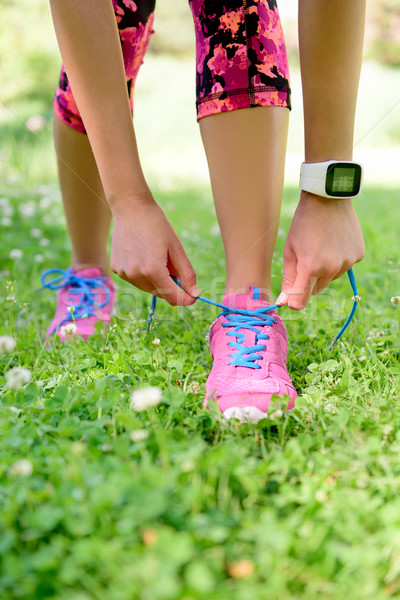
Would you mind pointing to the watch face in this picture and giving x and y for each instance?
(343, 180)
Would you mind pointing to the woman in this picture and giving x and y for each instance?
(243, 102)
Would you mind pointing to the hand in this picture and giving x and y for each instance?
(324, 241)
(145, 251)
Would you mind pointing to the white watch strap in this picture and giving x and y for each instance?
(313, 177)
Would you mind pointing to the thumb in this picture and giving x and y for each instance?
(181, 267)
(301, 290)
(288, 277)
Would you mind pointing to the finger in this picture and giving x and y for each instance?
(320, 285)
(330, 273)
(140, 282)
(301, 290)
(181, 267)
(164, 287)
(158, 283)
(288, 277)
(345, 267)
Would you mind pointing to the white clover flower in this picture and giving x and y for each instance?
(276, 414)
(16, 254)
(362, 482)
(6, 222)
(7, 344)
(138, 435)
(356, 298)
(215, 231)
(36, 233)
(44, 242)
(395, 300)
(35, 123)
(17, 377)
(68, 329)
(70, 309)
(21, 468)
(321, 496)
(188, 464)
(39, 258)
(4, 202)
(156, 342)
(27, 210)
(78, 448)
(45, 202)
(145, 398)
(387, 429)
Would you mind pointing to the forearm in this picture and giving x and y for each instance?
(331, 36)
(90, 47)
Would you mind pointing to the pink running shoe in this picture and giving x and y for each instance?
(249, 348)
(88, 292)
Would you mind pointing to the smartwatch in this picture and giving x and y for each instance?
(332, 179)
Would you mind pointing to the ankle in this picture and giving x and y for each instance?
(79, 266)
(266, 293)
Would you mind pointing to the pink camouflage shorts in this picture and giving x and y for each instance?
(241, 59)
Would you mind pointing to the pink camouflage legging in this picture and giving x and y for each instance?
(241, 59)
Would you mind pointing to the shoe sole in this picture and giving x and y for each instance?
(245, 414)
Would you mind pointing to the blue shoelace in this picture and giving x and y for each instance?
(245, 356)
(84, 288)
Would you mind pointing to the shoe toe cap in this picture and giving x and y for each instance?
(253, 400)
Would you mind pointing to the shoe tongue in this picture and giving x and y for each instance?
(90, 272)
(249, 301)
(254, 292)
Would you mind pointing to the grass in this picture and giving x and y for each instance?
(309, 499)
(300, 506)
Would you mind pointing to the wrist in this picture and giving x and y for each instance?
(130, 196)
(309, 196)
(313, 202)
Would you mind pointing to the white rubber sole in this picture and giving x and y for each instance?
(245, 414)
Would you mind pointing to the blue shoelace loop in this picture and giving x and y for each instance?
(356, 300)
(252, 322)
(84, 288)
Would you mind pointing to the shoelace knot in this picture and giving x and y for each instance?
(82, 288)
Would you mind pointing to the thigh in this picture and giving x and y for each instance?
(241, 55)
(135, 26)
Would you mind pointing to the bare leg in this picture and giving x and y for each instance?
(86, 210)
(246, 153)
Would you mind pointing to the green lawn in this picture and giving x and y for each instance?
(309, 498)
(174, 503)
